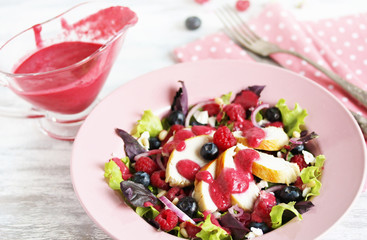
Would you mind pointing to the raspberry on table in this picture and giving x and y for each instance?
(146, 164)
(242, 5)
(300, 160)
(158, 180)
(224, 138)
(201, 1)
(167, 220)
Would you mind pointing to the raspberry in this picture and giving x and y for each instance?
(201, 1)
(242, 5)
(247, 99)
(298, 183)
(262, 207)
(175, 192)
(242, 126)
(146, 164)
(299, 159)
(167, 220)
(212, 108)
(223, 138)
(275, 124)
(220, 117)
(192, 230)
(158, 180)
(235, 112)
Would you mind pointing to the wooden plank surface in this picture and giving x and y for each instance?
(37, 200)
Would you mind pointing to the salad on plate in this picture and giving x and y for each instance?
(231, 167)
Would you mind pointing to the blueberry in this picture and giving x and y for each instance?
(142, 178)
(188, 205)
(289, 194)
(298, 149)
(154, 143)
(263, 226)
(176, 117)
(193, 23)
(273, 114)
(209, 151)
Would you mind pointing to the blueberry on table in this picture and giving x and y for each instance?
(261, 225)
(176, 117)
(289, 194)
(193, 23)
(142, 178)
(273, 114)
(154, 143)
(188, 205)
(209, 151)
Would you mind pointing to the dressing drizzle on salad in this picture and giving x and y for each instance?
(224, 168)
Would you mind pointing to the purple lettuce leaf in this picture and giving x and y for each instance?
(257, 89)
(180, 101)
(136, 194)
(236, 227)
(131, 145)
(303, 206)
(302, 140)
(308, 137)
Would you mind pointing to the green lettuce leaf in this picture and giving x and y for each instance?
(126, 161)
(226, 98)
(148, 122)
(292, 119)
(147, 212)
(319, 161)
(209, 231)
(311, 174)
(113, 175)
(277, 211)
(177, 232)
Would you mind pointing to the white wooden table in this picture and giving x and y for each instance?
(37, 200)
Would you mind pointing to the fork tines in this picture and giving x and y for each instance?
(236, 27)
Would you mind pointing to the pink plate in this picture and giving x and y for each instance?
(340, 140)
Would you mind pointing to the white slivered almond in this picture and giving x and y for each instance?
(191, 152)
(275, 139)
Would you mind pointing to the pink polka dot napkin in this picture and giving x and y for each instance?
(339, 44)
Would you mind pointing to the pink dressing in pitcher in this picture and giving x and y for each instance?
(66, 77)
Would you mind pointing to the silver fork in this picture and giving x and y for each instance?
(239, 31)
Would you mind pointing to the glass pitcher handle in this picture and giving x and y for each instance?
(21, 113)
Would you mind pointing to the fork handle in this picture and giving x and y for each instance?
(356, 92)
(362, 122)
